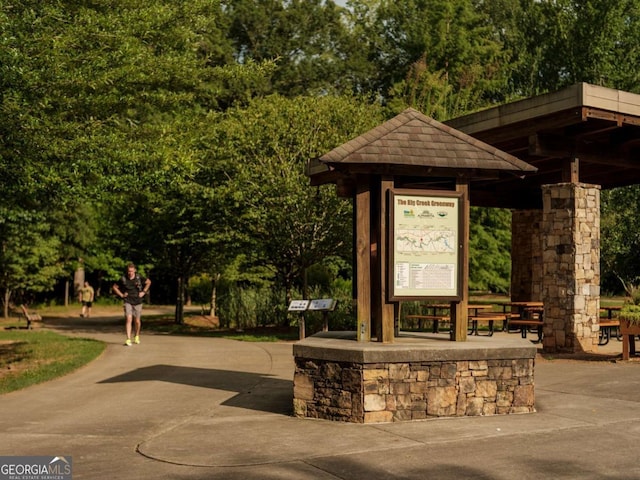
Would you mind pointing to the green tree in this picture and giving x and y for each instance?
(307, 38)
(29, 255)
(489, 250)
(288, 224)
(439, 56)
(553, 44)
(92, 95)
(620, 239)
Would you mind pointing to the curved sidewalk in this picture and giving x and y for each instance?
(179, 407)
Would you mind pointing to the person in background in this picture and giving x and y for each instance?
(86, 298)
(132, 288)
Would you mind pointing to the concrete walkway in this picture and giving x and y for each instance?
(204, 408)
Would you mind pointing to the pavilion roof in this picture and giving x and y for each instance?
(415, 145)
(594, 127)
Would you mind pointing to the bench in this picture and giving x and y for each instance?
(489, 318)
(606, 326)
(30, 317)
(436, 319)
(525, 324)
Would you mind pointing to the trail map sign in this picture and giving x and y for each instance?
(424, 245)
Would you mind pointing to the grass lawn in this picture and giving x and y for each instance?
(201, 326)
(28, 357)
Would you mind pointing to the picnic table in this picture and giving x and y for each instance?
(524, 316)
(476, 316)
(441, 312)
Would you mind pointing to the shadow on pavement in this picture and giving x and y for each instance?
(254, 391)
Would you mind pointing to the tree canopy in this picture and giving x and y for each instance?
(174, 134)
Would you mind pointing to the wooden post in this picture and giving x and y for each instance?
(571, 170)
(301, 330)
(363, 260)
(459, 312)
(386, 332)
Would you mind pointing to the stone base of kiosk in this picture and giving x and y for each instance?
(417, 377)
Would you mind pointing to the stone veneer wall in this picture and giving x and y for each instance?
(571, 267)
(526, 256)
(401, 391)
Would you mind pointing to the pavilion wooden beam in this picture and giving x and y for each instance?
(554, 147)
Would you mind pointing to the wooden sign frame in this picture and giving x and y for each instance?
(425, 244)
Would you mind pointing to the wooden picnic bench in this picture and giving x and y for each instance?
(486, 317)
(30, 317)
(435, 319)
(524, 324)
(528, 315)
(606, 327)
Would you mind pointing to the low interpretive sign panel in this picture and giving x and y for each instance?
(298, 305)
(323, 304)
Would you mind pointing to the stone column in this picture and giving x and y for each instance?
(526, 256)
(571, 266)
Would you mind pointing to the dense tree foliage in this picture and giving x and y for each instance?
(490, 244)
(438, 56)
(307, 39)
(174, 134)
(28, 254)
(291, 226)
(620, 233)
(553, 44)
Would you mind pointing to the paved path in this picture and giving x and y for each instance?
(205, 408)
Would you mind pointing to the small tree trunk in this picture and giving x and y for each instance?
(214, 294)
(179, 316)
(66, 293)
(6, 299)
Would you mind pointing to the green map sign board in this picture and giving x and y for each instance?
(425, 245)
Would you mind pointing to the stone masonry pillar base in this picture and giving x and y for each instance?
(570, 233)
